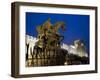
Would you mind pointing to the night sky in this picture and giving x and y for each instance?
(77, 26)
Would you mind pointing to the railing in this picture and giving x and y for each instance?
(54, 58)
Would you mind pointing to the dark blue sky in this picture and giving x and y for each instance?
(77, 26)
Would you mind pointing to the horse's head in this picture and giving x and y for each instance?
(59, 25)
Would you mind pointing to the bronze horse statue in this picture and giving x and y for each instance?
(48, 35)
